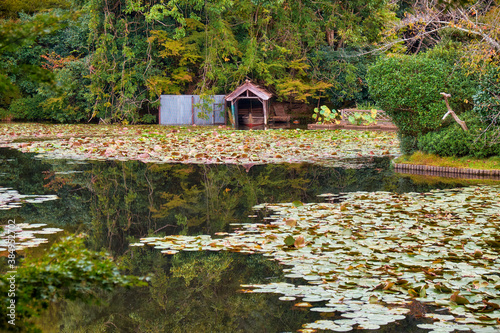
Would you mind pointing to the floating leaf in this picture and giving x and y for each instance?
(289, 241)
(460, 300)
(303, 305)
(291, 222)
(299, 242)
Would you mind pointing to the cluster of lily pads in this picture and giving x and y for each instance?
(34, 131)
(25, 235)
(22, 232)
(10, 198)
(374, 256)
(159, 144)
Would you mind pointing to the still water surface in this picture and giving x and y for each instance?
(116, 203)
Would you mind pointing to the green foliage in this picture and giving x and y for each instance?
(324, 115)
(454, 141)
(225, 42)
(11, 9)
(363, 118)
(16, 45)
(67, 271)
(487, 98)
(407, 143)
(408, 88)
(127, 53)
(345, 71)
(28, 108)
(64, 103)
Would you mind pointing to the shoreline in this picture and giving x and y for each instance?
(451, 172)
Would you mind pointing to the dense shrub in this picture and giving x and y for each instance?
(408, 88)
(64, 102)
(487, 100)
(28, 108)
(454, 141)
(407, 143)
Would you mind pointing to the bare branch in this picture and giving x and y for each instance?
(450, 111)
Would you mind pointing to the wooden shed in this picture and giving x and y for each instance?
(249, 105)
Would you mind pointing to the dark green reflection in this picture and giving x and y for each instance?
(115, 202)
(194, 292)
(191, 292)
(29, 176)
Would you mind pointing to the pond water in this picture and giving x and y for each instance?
(116, 203)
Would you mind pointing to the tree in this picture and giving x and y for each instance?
(426, 22)
(15, 35)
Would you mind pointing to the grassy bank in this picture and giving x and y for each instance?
(420, 158)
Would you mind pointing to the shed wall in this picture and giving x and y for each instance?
(182, 110)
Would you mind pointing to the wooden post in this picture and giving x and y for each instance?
(159, 113)
(233, 111)
(192, 110)
(264, 104)
(450, 111)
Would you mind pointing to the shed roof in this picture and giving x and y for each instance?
(249, 86)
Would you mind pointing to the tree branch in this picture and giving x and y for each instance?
(450, 111)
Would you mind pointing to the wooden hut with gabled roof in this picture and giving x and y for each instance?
(249, 105)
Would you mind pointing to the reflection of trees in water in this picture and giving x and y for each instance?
(190, 292)
(117, 200)
(135, 199)
(31, 176)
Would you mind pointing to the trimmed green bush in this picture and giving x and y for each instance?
(407, 143)
(454, 141)
(408, 88)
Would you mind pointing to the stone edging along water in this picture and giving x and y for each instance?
(446, 171)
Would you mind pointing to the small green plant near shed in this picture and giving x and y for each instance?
(324, 115)
(364, 118)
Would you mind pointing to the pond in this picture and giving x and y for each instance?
(235, 248)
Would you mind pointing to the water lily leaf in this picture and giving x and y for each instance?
(460, 300)
(423, 292)
(299, 242)
(442, 288)
(368, 326)
(289, 241)
(291, 222)
(303, 305)
(322, 309)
